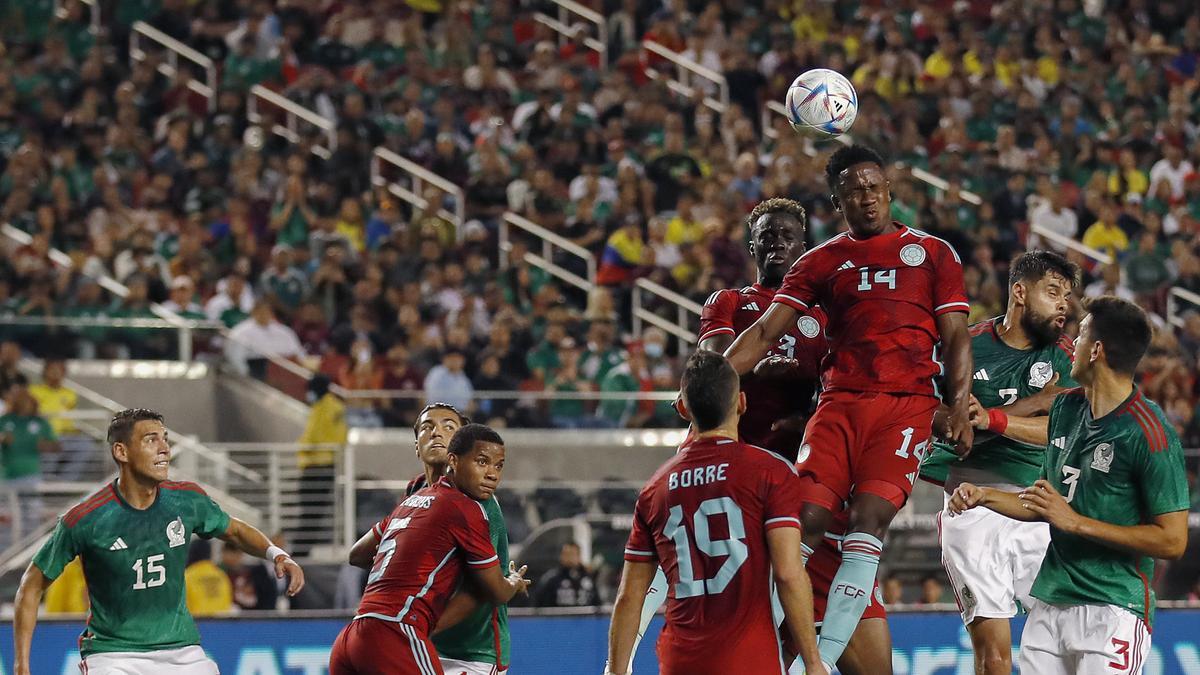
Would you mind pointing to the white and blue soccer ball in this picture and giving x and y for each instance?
(822, 104)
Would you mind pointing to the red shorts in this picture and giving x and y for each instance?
(374, 647)
(864, 442)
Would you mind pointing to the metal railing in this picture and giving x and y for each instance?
(294, 114)
(175, 51)
(684, 309)
(418, 176)
(1071, 244)
(687, 72)
(567, 8)
(1174, 296)
(550, 242)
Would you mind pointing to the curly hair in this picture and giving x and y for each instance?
(790, 207)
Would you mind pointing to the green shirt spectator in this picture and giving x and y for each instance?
(24, 436)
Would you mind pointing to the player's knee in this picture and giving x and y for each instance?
(993, 660)
(815, 521)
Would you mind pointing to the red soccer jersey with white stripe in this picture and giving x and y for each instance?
(425, 545)
(732, 311)
(883, 296)
(704, 517)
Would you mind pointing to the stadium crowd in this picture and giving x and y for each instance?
(1066, 115)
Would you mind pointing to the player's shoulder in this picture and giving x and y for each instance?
(182, 487)
(983, 328)
(723, 297)
(1144, 419)
(929, 241)
(1064, 347)
(1071, 401)
(826, 249)
(764, 459)
(92, 505)
(417, 483)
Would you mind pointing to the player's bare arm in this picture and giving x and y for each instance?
(795, 594)
(716, 343)
(1032, 430)
(459, 608)
(496, 588)
(968, 496)
(362, 554)
(956, 341)
(1165, 537)
(748, 349)
(29, 597)
(251, 540)
(627, 611)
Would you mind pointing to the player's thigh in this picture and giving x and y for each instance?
(1041, 643)
(459, 667)
(184, 661)
(869, 651)
(374, 647)
(978, 563)
(893, 442)
(1107, 640)
(824, 457)
(1027, 545)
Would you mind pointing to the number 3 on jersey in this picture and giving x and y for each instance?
(734, 548)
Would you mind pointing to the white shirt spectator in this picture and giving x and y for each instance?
(1162, 171)
(1060, 221)
(254, 339)
(442, 384)
(219, 303)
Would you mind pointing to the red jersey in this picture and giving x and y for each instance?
(704, 517)
(425, 544)
(732, 311)
(883, 296)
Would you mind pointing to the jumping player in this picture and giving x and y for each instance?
(476, 639)
(426, 544)
(132, 537)
(1021, 360)
(721, 517)
(892, 294)
(1115, 494)
(778, 401)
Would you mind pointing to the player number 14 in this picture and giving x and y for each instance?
(152, 567)
(882, 278)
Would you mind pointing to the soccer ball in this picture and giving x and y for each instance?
(822, 104)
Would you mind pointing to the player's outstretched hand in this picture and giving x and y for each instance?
(285, 565)
(978, 414)
(1045, 397)
(1044, 500)
(965, 497)
(516, 577)
(962, 434)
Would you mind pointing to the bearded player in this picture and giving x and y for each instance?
(895, 299)
(132, 538)
(1022, 360)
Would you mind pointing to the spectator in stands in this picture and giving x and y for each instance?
(324, 434)
(68, 594)
(258, 338)
(1052, 213)
(252, 583)
(567, 412)
(893, 590)
(25, 439)
(571, 584)
(448, 382)
(282, 284)
(232, 303)
(56, 402)
(631, 377)
(209, 591)
(1105, 235)
(932, 591)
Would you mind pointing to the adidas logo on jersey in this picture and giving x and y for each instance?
(848, 265)
(981, 374)
(753, 307)
(1060, 442)
(118, 545)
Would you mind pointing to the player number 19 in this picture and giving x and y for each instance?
(734, 547)
(152, 566)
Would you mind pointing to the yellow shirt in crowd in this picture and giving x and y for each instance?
(68, 594)
(1105, 237)
(51, 402)
(326, 426)
(209, 591)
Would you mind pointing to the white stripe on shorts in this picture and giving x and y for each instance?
(419, 652)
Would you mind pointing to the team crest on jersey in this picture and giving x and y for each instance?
(805, 451)
(1102, 457)
(1040, 374)
(809, 327)
(176, 533)
(912, 255)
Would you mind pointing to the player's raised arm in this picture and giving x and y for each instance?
(749, 347)
(249, 539)
(627, 612)
(967, 496)
(956, 344)
(362, 553)
(29, 596)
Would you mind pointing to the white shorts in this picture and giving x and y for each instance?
(456, 667)
(991, 561)
(183, 661)
(1092, 639)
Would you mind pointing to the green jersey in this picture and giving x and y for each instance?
(1003, 374)
(485, 630)
(19, 439)
(133, 560)
(1124, 468)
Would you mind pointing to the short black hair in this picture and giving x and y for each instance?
(120, 429)
(1032, 266)
(709, 384)
(463, 420)
(847, 157)
(1123, 328)
(468, 435)
(790, 207)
